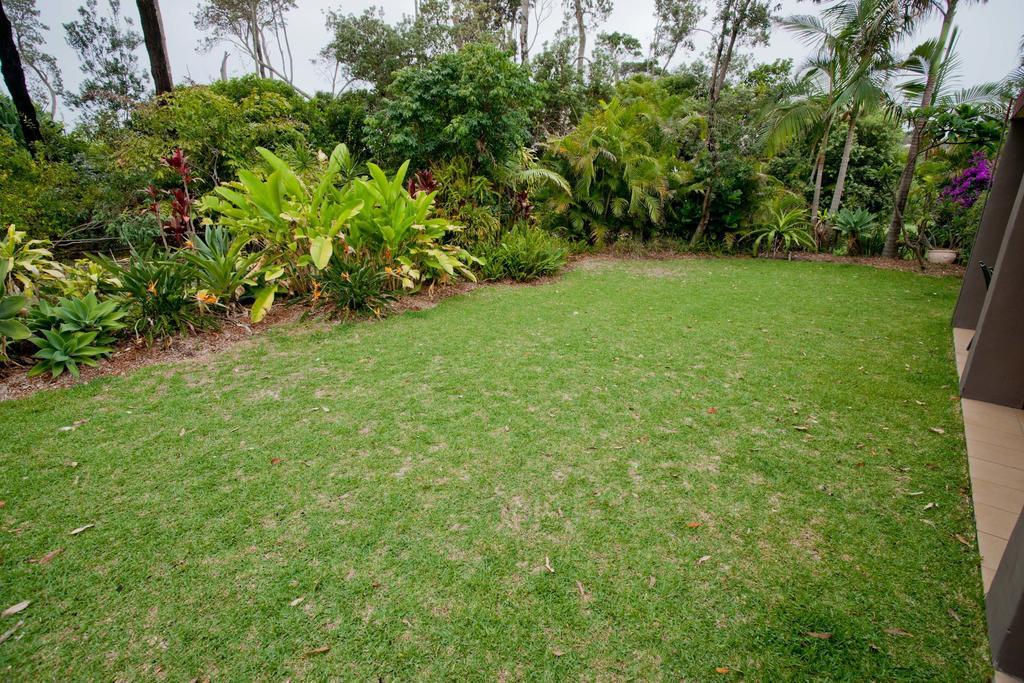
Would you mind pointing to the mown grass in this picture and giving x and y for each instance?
(617, 425)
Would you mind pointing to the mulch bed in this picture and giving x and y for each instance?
(15, 383)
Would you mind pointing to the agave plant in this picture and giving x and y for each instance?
(785, 230)
(83, 314)
(60, 351)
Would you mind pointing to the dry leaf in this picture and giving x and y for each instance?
(820, 636)
(800, 428)
(48, 557)
(953, 614)
(938, 430)
(712, 410)
(704, 559)
(275, 461)
(963, 540)
(929, 506)
(3, 503)
(651, 581)
(14, 609)
(722, 669)
(318, 650)
(693, 525)
(296, 602)
(557, 653)
(80, 529)
(916, 493)
(547, 564)
(10, 632)
(898, 632)
(920, 403)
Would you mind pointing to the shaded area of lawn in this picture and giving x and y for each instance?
(723, 462)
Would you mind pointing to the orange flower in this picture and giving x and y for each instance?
(204, 297)
(316, 291)
(188, 244)
(152, 288)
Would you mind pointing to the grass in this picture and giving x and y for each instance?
(718, 459)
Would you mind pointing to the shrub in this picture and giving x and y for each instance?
(221, 267)
(858, 227)
(474, 103)
(25, 264)
(84, 314)
(160, 284)
(525, 253)
(356, 285)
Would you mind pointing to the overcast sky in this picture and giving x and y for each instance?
(989, 36)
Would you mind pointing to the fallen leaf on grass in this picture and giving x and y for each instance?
(80, 529)
(3, 503)
(819, 636)
(275, 461)
(722, 669)
(704, 559)
(583, 591)
(898, 632)
(800, 428)
(73, 426)
(929, 506)
(547, 564)
(10, 632)
(920, 403)
(318, 650)
(651, 581)
(938, 430)
(712, 410)
(14, 609)
(963, 540)
(953, 614)
(557, 653)
(296, 602)
(693, 525)
(48, 557)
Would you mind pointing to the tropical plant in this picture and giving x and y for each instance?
(525, 253)
(622, 164)
(11, 329)
(356, 284)
(25, 263)
(396, 227)
(84, 314)
(161, 285)
(785, 230)
(221, 267)
(856, 226)
(60, 351)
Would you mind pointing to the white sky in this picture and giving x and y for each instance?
(989, 36)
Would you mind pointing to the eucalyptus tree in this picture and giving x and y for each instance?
(585, 14)
(676, 22)
(738, 22)
(42, 72)
(14, 79)
(934, 52)
(246, 25)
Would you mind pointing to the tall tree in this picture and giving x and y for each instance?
(106, 48)
(584, 14)
(43, 73)
(739, 22)
(920, 8)
(14, 79)
(156, 44)
(245, 25)
(676, 22)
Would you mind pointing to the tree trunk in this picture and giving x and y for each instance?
(721, 67)
(844, 164)
(156, 44)
(819, 177)
(524, 31)
(581, 31)
(907, 178)
(224, 67)
(14, 79)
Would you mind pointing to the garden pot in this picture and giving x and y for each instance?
(941, 256)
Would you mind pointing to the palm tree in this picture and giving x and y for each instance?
(936, 52)
(868, 33)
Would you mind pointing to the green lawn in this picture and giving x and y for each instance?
(718, 459)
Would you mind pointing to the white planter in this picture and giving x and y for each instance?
(941, 256)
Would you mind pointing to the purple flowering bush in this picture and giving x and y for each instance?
(965, 187)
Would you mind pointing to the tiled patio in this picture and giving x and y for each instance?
(995, 452)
